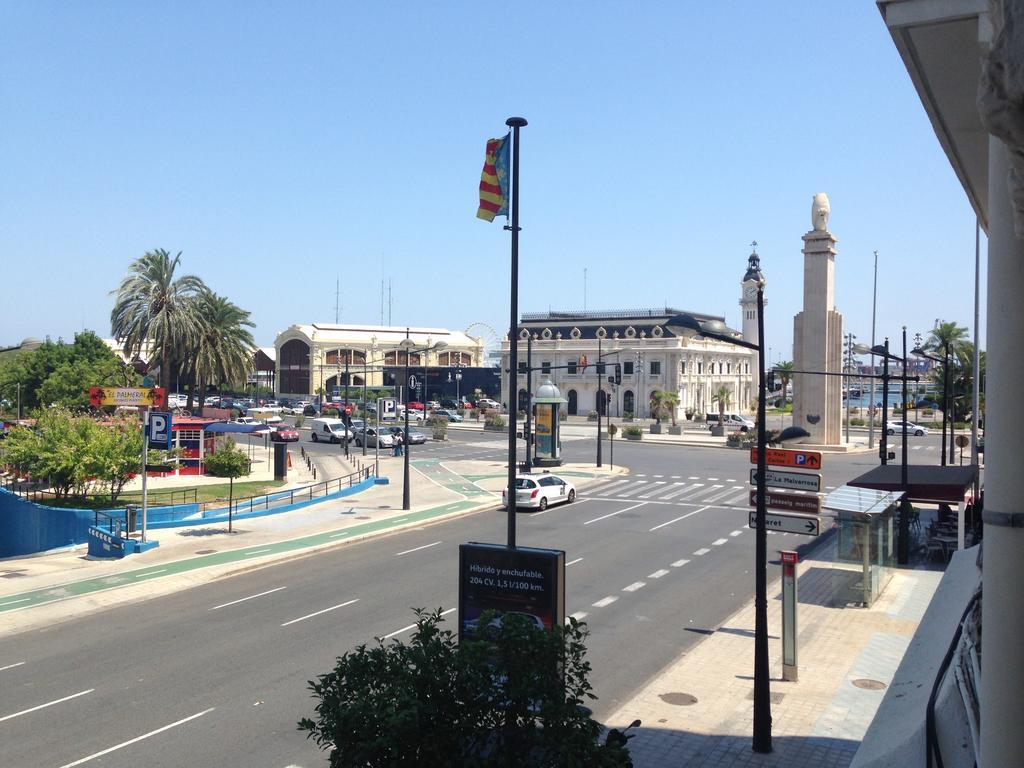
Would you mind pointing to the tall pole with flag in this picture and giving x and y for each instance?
(494, 201)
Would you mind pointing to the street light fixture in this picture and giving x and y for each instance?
(688, 325)
(409, 346)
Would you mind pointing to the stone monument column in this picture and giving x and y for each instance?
(818, 335)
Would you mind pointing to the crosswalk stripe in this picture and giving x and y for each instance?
(629, 490)
(712, 489)
(683, 489)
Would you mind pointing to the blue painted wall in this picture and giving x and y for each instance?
(27, 527)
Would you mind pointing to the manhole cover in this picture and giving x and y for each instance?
(678, 699)
(868, 684)
(205, 551)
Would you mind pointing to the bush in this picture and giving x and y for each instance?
(494, 420)
(510, 700)
(592, 416)
(633, 430)
(299, 421)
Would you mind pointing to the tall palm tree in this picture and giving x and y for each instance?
(223, 348)
(152, 310)
(722, 396)
(946, 339)
(785, 373)
(665, 404)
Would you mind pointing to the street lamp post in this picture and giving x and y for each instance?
(920, 352)
(689, 325)
(408, 345)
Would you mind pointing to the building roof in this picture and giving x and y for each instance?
(331, 333)
(924, 482)
(624, 322)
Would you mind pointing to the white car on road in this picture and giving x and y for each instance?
(896, 428)
(538, 491)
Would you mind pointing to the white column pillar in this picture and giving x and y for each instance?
(1002, 683)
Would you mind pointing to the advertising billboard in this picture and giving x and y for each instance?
(525, 580)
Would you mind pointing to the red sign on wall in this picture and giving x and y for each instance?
(787, 457)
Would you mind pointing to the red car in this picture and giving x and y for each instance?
(284, 434)
(415, 406)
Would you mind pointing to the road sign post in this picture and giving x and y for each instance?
(790, 502)
(797, 481)
(788, 457)
(789, 602)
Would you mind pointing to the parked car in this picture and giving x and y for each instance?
(732, 421)
(415, 437)
(433, 405)
(485, 403)
(329, 430)
(454, 405)
(309, 410)
(368, 435)
(447, 414)
(896, 427)
(414, 405)
(284, 434)
(538, 491)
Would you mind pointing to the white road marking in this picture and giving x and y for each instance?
(702, 551)
(44, 706)
(657, 475)
(398, 520)
(731, 480)
(325, 610)
(250, 597)
(693, 478)
(634, 586)
(676, 520)
(605, 601)
(682, 489)
(629, 490)
(336, 535)
(137, 739)
(258, 551)
(605, 486)
(411, 626)
(579, 615)
(657, 574)
(736, 533)
(712, 489)
(573, 562)
(149, 573)
(12, 666)
(722, 495)
(639, 475)
(13, 602)
(417, 549)
(718, 542)
(677, 477)
(612, 514)
(713, 479)
(679, 563)
(661, 488)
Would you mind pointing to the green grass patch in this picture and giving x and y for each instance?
(166, 496)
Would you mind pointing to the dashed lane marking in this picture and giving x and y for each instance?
(634, 586)
(679, 563)
(702, 551)
(604, 601)
(718, 542)
(657, 574)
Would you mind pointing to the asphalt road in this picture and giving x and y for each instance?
(217, 674)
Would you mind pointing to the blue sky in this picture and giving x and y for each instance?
(280, 145)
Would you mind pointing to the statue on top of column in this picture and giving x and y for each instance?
(819, 212)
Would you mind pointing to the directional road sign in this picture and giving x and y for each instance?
(159, 430)
(799, 481)
(783, 523)
(806, 505)
(787, 457)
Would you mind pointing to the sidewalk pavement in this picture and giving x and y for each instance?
(698, 711)
(48, 588)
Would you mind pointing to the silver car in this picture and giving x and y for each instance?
(370, 437)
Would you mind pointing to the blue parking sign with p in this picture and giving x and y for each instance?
(160, 430)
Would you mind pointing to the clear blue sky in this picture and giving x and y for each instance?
(278, 145)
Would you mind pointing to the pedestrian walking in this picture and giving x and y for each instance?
(397, 451)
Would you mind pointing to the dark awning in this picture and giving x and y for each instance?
(221, 426)
(924, 483)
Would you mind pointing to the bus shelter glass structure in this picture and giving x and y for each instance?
(864, 543)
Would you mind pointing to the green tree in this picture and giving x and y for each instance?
(222, 352)
(722, 396)
(114, 454)
(664, 405)
(509, 700)
(948, 340)
(56, 451)
(230, 462)
(785, 373)
(153, 311)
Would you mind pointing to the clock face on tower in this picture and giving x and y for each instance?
(750, 291)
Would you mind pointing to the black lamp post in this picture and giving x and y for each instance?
(408, 345)
(920, 352)
(714, 329)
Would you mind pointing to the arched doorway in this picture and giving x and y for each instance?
(293, 368)
(573, 402)
(628, 402)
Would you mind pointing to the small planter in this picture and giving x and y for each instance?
(630, 436)
(656, 429)
(495, 428)
(718, 431)
(675, 430)
(733, 440)
(592, 416)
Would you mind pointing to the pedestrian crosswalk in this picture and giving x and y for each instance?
(724, 492)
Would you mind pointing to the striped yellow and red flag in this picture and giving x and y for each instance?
(494, 180)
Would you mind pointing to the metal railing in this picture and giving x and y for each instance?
(167, 497)
(292, 496)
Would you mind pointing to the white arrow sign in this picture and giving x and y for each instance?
(775, 521)
(777, 478)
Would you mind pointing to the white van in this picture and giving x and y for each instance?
(732, 421)
(328, 430)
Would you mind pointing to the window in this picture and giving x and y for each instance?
(655, 367)
(728, 368)
(627, 369)
(719, 367)
(746, 367)
(682, 367)
(571, 370)
(700, 367)
(545, 367)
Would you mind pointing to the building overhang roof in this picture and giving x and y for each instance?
(941, 43)
(924, 483)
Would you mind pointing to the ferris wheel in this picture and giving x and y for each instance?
(490, 336)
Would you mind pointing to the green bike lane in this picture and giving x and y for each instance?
(87, 586)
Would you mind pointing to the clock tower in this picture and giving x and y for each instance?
(748, 305)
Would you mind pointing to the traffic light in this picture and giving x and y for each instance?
(618, 373)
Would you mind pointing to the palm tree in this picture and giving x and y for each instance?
(946, 339)
(722, 396)
(152, 310)
(785, 373)
(223, 349)
(665, 404)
